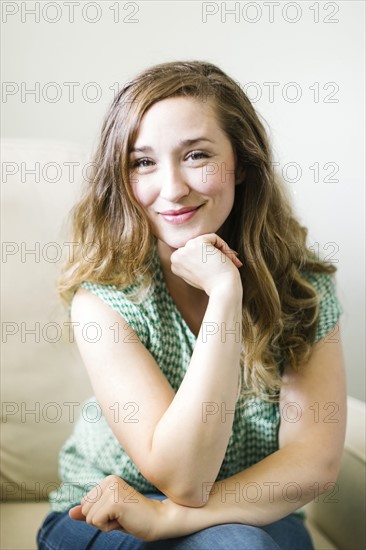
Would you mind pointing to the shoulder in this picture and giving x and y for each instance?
(120, 299)
(127, 303)
(330, 308)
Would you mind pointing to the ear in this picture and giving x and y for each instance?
(240, 172)
(240, 176)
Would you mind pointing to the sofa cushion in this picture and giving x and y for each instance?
(320, 540)
(20, 523)
(43, 380)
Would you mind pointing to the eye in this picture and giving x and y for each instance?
(141, 163)
(197, 155)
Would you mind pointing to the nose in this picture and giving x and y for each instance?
(173, 184)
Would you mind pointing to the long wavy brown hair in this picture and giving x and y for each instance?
(280, 307)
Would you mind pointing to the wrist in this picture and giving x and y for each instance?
(173, 520)
(228, 287)
(179, 521)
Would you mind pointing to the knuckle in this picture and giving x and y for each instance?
(111, 478)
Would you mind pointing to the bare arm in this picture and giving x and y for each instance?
(306, 465)
(170, 444)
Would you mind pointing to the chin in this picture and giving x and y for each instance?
(174, 244)
(180, 240)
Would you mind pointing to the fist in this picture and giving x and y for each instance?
(206, 262)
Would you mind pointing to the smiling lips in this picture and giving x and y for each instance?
(180, 216)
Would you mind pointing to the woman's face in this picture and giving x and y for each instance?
(182, 170)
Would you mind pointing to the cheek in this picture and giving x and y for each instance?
(144, 194)
(221, 180)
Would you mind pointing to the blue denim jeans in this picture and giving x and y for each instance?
(60, 532)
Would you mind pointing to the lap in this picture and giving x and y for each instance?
(60, 532)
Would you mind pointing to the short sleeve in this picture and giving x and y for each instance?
(330, 308)
(120, 302)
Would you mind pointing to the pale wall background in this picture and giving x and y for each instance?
(311, 52)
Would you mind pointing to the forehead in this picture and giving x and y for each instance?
(182, 114)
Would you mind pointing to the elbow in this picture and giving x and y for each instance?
(185, 494)
(322, 465)
(326, 476)
(191, 498)
(331, 473)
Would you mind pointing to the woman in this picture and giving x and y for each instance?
(216, 333)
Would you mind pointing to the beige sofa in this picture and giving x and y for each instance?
(43, 380)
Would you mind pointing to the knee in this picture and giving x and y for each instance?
(231, 536)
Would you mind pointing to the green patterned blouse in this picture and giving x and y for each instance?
(92, 451)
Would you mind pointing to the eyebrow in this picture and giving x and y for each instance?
(183, 143)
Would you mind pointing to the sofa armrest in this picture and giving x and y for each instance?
(340, 514)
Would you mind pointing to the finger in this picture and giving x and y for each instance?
(218, 242)
(112, 525)
(237, 262)
(102, 510)
(76, 513)
(90, 503)
(221, 245)
(93, 496)
(233, 255)
(101, 515)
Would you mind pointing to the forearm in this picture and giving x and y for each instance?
(259, 495)
(190, 440)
